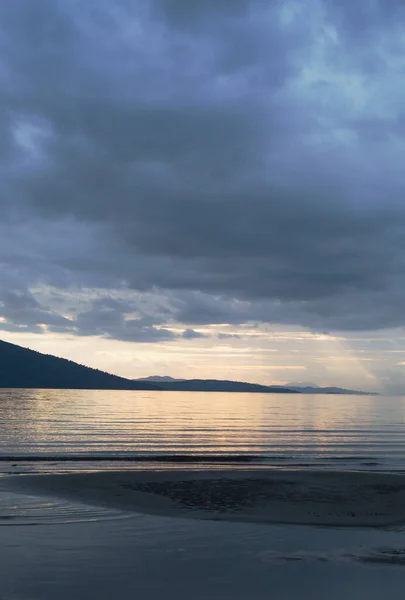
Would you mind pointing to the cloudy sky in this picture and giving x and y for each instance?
(211, 188)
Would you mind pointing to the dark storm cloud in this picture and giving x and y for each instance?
(187, 14)
(107, 317)
(20, 308)
(242, 159)
(358, 21)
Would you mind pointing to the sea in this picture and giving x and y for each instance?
(54, 548)
(58, 430)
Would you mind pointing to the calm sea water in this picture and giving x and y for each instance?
(71, 427)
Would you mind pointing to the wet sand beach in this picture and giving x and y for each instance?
(348, 499)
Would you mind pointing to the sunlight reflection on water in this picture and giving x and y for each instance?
(299, 430)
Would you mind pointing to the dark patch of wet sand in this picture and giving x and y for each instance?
(275, 496)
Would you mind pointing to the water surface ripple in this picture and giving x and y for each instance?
(120, 427)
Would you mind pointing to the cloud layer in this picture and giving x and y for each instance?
(233, 161)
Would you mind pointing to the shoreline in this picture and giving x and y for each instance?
(322, 498)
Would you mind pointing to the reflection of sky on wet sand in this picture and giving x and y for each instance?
(155, 557)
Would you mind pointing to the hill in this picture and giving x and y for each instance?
(217, 385)
(24, 368)
(221, 385)
(158, 379)
(315, 389)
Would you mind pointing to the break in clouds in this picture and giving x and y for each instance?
(195, 163)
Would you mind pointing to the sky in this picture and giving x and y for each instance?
(207, 189)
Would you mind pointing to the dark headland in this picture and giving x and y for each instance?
(24, 368)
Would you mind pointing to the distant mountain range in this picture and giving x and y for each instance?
(315, 389)
(24, 368)
(215, 385)
(220, 385)
(158, 379)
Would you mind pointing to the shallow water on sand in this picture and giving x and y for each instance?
(21, 509)
(154, 557)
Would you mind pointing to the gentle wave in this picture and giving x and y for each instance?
(34, 510)
(175, 459)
